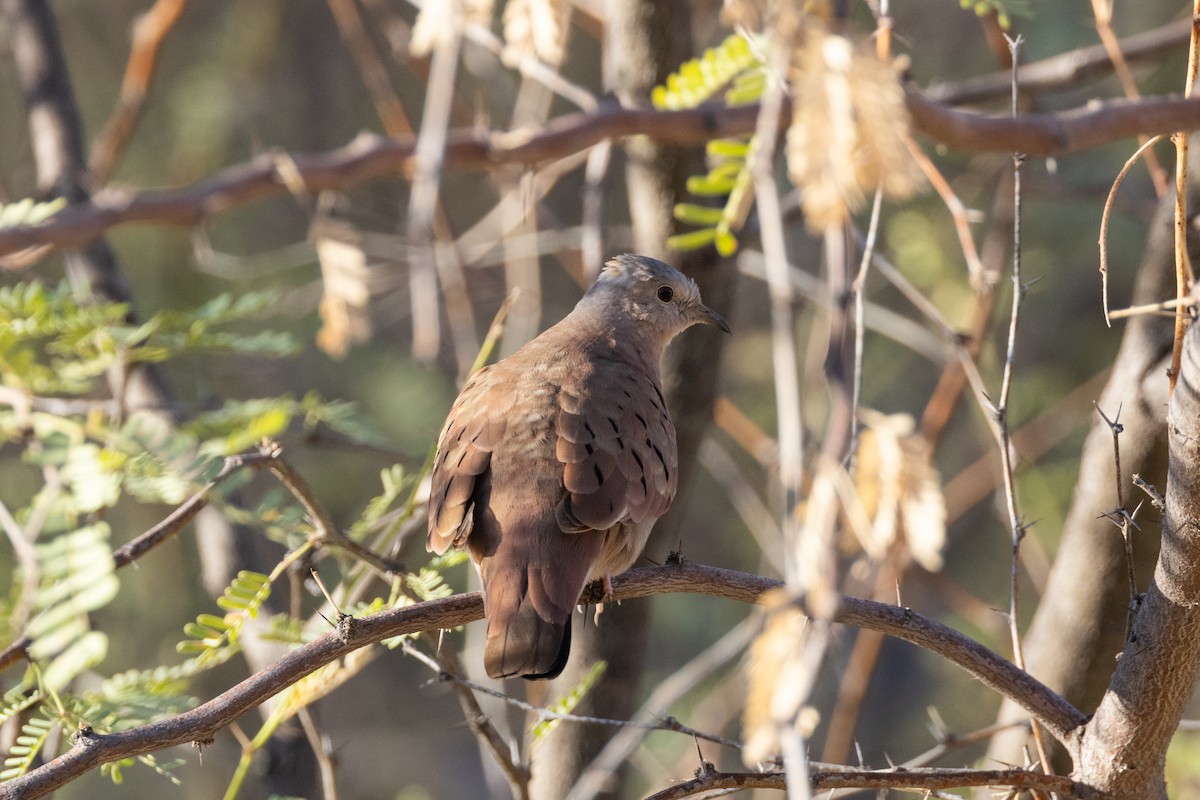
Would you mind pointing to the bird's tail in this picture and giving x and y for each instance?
(520, 642)
(529, 595)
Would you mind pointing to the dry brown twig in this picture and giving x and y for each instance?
(150, 30)
(1112, 193)
(1184, 276)
(1102, 12)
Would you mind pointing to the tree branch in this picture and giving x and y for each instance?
(928, 779)
(92, 749)
(369, 156)
(1065, 70)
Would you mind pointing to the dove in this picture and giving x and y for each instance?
(555, 462)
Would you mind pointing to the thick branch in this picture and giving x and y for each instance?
(369, 157)
(202, 722)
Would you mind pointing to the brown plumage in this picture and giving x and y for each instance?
(555, 462)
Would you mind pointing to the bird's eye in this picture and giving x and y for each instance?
(665, 293)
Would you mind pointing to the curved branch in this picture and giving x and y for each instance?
(369, 156)
(200, 724)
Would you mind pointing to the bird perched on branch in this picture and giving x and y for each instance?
(555, 462)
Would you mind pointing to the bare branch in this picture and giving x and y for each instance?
(369, 157)
(175, 521)
(928, 779)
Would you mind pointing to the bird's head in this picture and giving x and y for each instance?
(653, 295)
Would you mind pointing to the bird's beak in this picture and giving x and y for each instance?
(706, 316)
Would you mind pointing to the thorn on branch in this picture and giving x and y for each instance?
(1156, 499)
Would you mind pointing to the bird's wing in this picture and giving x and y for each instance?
(617, 447)
(473, 429)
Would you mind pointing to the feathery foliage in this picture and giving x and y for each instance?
(735, 67)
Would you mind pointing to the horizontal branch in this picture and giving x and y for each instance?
(202, 723)
(930, 779)
(369, 156)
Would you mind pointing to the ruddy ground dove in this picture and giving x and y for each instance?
(555, 462)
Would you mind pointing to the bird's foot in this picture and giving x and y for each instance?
(607, 598)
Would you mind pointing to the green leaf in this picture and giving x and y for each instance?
(84, 653)
(567, 703)
(728, 148)
(698, 215)
(27, 212)
(726, 243)
(34, 734)
(692, 240)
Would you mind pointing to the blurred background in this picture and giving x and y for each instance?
(238, 78)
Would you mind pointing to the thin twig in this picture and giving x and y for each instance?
(934, 316)
(1129, 162)
(528, 65)
(395, 120)
(595, 777)
(1102, 12)
(859, 290)
(958, 213)
(1008, 469)
(1123, 518)
(327, 530)
(1183, 267)
(320, 745)
(666, 724)
(150, 30)
(175, 521)
(1152, 308)
(879, 318)
(448, 667)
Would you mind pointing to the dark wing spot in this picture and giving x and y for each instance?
(642, 420)
(662, 460)
(615, 427)
(587, 446)
(638, 459)
(588, 428)
(599, 474)
(662, 401)
(620, 444)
